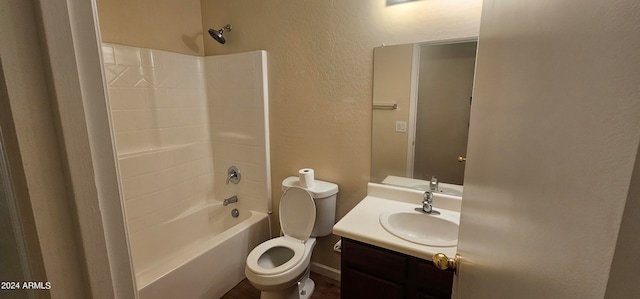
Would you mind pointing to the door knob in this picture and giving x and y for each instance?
(442, 262)
(462, 159)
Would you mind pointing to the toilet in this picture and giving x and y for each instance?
(279, 267)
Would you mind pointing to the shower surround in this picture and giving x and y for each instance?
(179, 122)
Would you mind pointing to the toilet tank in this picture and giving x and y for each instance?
(324, 194)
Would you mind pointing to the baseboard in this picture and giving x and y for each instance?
(325, 270)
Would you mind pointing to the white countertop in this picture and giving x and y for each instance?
(362, 222)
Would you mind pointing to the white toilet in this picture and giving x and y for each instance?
(279, 267)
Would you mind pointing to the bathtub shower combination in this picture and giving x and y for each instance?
(175, 139)
(205, 257)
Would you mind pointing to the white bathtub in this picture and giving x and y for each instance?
(200, 253)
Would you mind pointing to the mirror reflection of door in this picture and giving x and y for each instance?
(443, 107)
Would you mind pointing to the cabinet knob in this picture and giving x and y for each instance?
(442, 262)
(462, 159)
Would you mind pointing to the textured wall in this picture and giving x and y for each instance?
(168, 25)
(320, 77)
(34, 157)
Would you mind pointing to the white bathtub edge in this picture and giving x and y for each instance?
(213, 273)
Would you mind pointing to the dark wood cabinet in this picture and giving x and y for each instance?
(372, 272)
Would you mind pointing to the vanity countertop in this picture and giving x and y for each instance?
(362, 222)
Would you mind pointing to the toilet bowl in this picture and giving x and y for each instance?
(279, 263)
(279, 267)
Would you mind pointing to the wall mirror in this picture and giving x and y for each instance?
(421, 106)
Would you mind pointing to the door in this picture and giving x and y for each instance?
(552, 144)
(443, 107)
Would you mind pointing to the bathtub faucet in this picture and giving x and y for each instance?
(229, 200)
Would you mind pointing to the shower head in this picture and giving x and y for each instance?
(217, 34)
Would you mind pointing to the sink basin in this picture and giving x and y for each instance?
(432, 230)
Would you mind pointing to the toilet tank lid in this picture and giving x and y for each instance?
(320, 189)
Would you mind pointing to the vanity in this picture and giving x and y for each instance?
(373, 272)
(420, 121)
(389, 261)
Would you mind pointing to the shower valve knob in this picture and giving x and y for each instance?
(233, 175)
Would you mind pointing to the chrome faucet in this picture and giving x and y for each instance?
(427, 204)
(229, 200)
(433, 185)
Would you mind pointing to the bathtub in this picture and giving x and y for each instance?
(199, 253)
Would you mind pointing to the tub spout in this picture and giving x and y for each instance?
(229, 200)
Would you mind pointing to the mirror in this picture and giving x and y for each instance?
(421, 106)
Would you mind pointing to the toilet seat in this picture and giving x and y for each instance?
(297, 218)
(256, 266)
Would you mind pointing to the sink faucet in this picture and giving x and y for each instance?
(229, 200)
(433, 185)
(427, 204)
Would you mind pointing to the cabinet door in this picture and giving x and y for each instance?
(375, 261)
(432, 281)
(355, 284)
(373, 272)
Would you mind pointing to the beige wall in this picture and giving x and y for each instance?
(33, 152)
(168, 25)
(320, 78)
